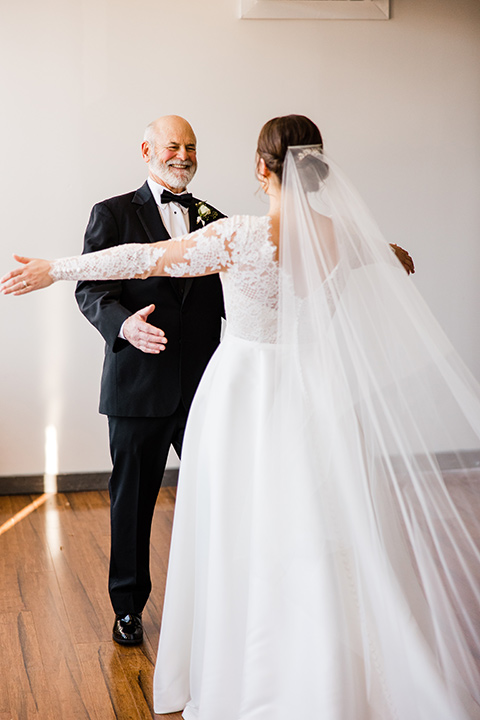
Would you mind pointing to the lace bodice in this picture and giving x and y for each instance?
(239, 248)
(250, 282)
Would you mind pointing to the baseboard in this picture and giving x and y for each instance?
(67, 482)
(81, 482)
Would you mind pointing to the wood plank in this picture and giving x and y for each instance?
(81, 568)
(121, 679)
(42, 597)
(25, 689)
(57, 658)
(62, 662)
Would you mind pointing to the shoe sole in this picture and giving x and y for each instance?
(127, 642)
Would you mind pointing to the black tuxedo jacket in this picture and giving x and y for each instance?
(136, 384)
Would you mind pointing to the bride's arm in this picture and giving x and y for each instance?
(203, 252)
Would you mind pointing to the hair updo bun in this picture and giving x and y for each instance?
(311, 166)
(280, 133)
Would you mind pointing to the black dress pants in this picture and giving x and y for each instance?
(139, 449)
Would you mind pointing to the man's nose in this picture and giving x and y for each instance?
(182, 153)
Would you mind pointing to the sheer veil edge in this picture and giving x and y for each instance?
(395, 417)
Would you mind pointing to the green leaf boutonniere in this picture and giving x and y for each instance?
(205, 214)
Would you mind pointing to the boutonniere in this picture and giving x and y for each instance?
(205, 214)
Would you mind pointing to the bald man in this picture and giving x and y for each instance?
(160, 334)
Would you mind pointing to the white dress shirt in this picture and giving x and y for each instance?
(174, 216)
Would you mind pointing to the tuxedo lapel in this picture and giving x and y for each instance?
(152, 222)
(193, 216)
(149, 215)
(193, 220)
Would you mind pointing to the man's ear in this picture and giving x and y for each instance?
(146, 154)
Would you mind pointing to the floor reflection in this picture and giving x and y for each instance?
(52, 524)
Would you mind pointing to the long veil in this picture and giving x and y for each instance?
(375, 406)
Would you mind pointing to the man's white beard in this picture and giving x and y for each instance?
(177, 179)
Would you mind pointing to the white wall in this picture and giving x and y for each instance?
(398, 102)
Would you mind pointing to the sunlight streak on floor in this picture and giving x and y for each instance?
(21, 514)
(50, 489)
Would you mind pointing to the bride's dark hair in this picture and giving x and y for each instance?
(280, 133)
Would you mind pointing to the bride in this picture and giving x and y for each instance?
(323, 560)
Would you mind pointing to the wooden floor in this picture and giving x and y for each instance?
(57, 658)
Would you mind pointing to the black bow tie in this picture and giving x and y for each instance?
(185, 199)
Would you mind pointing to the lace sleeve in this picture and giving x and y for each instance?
(134, 260)
(202, 252)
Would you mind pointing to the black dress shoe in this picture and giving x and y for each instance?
(128, 630)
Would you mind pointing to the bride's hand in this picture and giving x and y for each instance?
(34, 275)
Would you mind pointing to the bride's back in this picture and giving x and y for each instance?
(251, 282)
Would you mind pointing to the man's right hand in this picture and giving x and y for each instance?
(142, 335)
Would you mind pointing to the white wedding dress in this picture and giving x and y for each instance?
(318, 567)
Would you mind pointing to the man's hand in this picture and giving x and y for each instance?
(142, 335)
(404, 258)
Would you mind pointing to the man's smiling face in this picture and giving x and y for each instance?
(173, 157)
